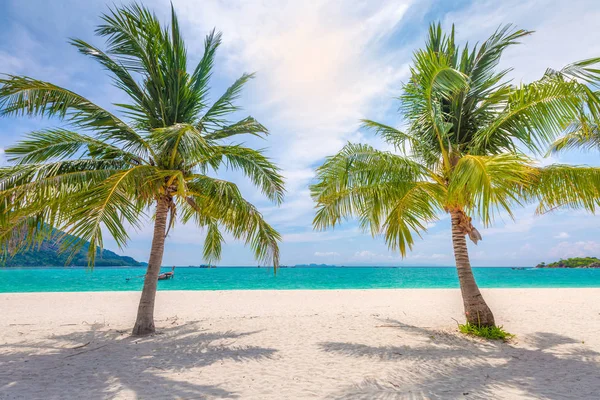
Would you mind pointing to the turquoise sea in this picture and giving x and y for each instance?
(245, 278)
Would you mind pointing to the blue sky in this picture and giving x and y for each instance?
(321, 66)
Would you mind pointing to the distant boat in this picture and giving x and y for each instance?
(207, 266)
(167, 275)
(519, 268)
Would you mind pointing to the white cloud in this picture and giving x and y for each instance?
(425, 256)
(562, 235)
(367, 256)
(522, 224)
(526, 248)
(365, 253)
(8, 62)
(326, 254)
(22, 55)
(576, 249)
(298, 208)
(317, 68)
(314, 236)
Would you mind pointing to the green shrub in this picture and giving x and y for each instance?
(486, 332)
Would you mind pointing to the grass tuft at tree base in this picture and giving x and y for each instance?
(486, 332)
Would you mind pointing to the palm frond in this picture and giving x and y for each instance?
(214, 117)
(203, 71)
(246, 126)
(180, 145)
(123, 78)
(258, 168)
(49, 181)
(391, 135)
(115, 204)
(565, 186)
(27, 96)
(223, 201)
(483, 184)
(434, 82)
(481, 65)
(132, 33)
(137, 41)
(75, 198)
(61, 144)
(212, 242)
(535, 114)
(411, 211)
(587, 71)
(584, 136)
(361, 181)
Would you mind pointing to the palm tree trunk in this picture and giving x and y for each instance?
(476, 309)
(144, 323)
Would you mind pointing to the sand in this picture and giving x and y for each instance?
(352, 344)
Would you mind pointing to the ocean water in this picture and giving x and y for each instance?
(245, 278)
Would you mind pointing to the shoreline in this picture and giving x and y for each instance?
(273, 344)
(175, 291)
(319, 289)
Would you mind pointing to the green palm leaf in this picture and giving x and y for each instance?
(27, 96)
(246, 126)
(254, 165)
(482, 184)
(225, 105)
(565, 186)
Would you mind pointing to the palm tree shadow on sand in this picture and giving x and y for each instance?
(146, 368)
(449, 366)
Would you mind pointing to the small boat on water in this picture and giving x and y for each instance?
(167, 275)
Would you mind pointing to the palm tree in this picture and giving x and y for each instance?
(466, 126)
(102, 173)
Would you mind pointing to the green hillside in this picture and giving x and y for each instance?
(48, 255)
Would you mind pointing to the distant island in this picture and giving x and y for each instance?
(48, 255)
(575, 262)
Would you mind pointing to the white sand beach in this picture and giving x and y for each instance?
(353, 344)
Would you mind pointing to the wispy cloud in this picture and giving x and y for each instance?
(367, 256)
(582, 248)
(315, 236)
(326, 253)
(429, 256)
